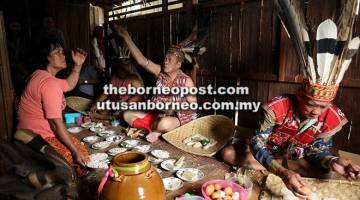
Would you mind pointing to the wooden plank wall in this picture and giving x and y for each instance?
(244, 46)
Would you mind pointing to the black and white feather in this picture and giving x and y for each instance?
(335, 47)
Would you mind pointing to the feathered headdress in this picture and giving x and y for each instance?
(191, 46)
(325, 65)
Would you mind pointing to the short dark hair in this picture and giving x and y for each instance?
(45, 47)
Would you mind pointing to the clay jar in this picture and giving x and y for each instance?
(137, 179)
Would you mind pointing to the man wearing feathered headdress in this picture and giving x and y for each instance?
(170, 75)
(295, 135)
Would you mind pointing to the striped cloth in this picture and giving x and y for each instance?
(184, 116)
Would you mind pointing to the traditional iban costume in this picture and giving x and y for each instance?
(282, 135)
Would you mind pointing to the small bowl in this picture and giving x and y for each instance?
(235, 187)
(192, 197)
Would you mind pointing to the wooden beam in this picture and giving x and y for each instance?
(148, 8)
(152, 15)
(219, 3)
(121, 7)
(282, 57)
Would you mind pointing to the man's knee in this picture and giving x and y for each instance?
(228, 154)
(167, 124)
(131, 116)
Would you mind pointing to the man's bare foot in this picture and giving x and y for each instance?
(153, 137)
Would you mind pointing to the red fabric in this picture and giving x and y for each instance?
(145, 122)
(331, 119)
(65, 152)
(42, 99)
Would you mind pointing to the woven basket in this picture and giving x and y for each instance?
(217, 127)
(324, 188)
(78, 104)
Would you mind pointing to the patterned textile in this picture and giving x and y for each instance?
(318, 92)
(184, 116)
(116, 82)
(282, 134)
(64, 151)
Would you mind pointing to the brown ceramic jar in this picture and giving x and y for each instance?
(137, 179)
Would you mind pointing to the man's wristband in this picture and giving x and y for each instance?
(331, 160)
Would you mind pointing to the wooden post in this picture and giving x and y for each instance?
(6, 88)
(282, 58)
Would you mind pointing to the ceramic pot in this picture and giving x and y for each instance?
(136, 179)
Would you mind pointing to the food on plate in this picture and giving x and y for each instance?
(209, 189)
(101, 145)
(130, 143)
(155, 160)
(169, 165)
(116, 150)
(179, 162)
(217, 186)
(216, 191)
(228, 190)
(236, 196)
(215, 195)
(75, 129)
(91, 139)
(172, 183)
(162, 154)
(114, 138)
(188, 174)
(199, 141)
(143, 148)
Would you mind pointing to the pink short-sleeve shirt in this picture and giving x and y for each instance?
(42, 99)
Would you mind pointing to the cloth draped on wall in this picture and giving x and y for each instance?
(96, 16)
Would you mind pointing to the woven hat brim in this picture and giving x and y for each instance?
(78, 104)
(217, 127)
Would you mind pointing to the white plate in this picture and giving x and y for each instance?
(130, 143)
(106, 133)
(98, 164)
(168, 165)
(190, 174)
(75, 129)
(143, 148)
(98, 156)
(162, 154)
(115, 139)
(159, 170)
(88, 124)
(97, 129)
(172, 183)
(154, 160)
(116, 150)
(91, 139)
(101, 145)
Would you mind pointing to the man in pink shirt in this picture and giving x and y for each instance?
(42, 102)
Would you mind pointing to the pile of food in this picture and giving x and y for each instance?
(215, 191)
(199, 141)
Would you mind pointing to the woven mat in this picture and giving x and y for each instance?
(217, 127)
(79, 104)
(323, 188)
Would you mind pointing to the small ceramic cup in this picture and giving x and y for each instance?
(79, 120)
